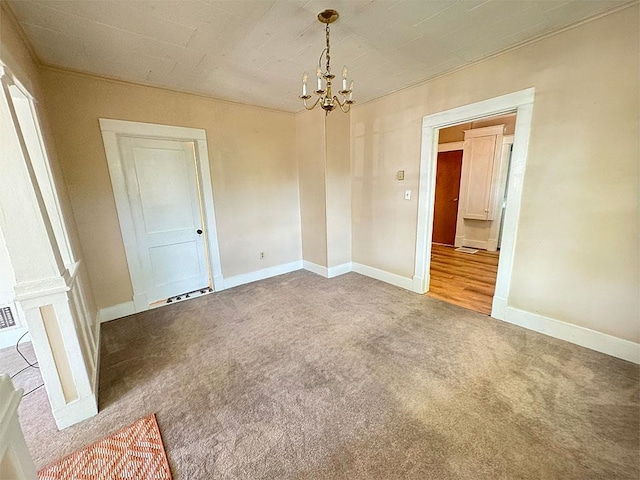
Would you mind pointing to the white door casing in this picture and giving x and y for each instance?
(522, 103)
(191, 140)
(163, 191)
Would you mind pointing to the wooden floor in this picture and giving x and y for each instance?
(464, 279)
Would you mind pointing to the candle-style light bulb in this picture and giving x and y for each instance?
(344, 77)
(351, 90)
(304, 84)
(319, 75)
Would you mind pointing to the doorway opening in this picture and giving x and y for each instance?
(478, 207)
(470, 196)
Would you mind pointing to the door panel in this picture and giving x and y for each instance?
(163, 180)
(445, 213)
(162, 183)
(478, 176)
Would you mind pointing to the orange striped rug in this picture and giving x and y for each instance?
(134, 452)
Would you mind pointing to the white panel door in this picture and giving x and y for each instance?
(162, 185)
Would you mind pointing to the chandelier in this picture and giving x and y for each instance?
(326, 99)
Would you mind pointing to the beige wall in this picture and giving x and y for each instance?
(253, 170)
(325, 186)
(338, 188)
(310, 146)
(577, 255)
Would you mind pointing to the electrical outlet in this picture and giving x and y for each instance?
(261, 255)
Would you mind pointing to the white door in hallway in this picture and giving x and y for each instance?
(164, 195)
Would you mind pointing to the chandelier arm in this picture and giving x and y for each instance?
(304, 101)
(342, 105)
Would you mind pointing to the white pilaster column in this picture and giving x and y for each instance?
(45, 289)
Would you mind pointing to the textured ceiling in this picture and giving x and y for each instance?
(255, 52)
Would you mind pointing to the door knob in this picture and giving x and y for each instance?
(455, 199)
(199, 232)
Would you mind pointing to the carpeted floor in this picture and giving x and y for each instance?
(303, 377)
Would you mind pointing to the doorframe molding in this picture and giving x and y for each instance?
(111, 130)
(522, 103)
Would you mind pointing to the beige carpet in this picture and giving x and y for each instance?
(300, 377)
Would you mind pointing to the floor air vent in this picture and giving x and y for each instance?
(6, 317)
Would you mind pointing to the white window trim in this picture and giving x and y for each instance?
(111, 129)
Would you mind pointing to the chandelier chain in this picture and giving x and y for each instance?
(328, 52)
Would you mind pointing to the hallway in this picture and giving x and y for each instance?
(464, 279)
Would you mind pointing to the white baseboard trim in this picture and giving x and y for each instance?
(585, 337)
(75, 412)
(116, 311)
(392, 278)
(9, 338)
(481, 244)
(315, 268)
(327, 272)
(339, 270)
(245, 278)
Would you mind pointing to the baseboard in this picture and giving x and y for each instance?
(315, 268)
(327, 272)
(392, 278)
(9, 338)
(585, 337)
(245, 278)
(481, 244)
(75, 412)
(116, 311)
(492, 245)
(339, 270)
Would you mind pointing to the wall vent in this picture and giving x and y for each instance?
(7, 318)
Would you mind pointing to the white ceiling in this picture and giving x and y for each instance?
(255, 51)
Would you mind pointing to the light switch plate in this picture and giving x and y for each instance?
(400, 175)
(407, 194)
